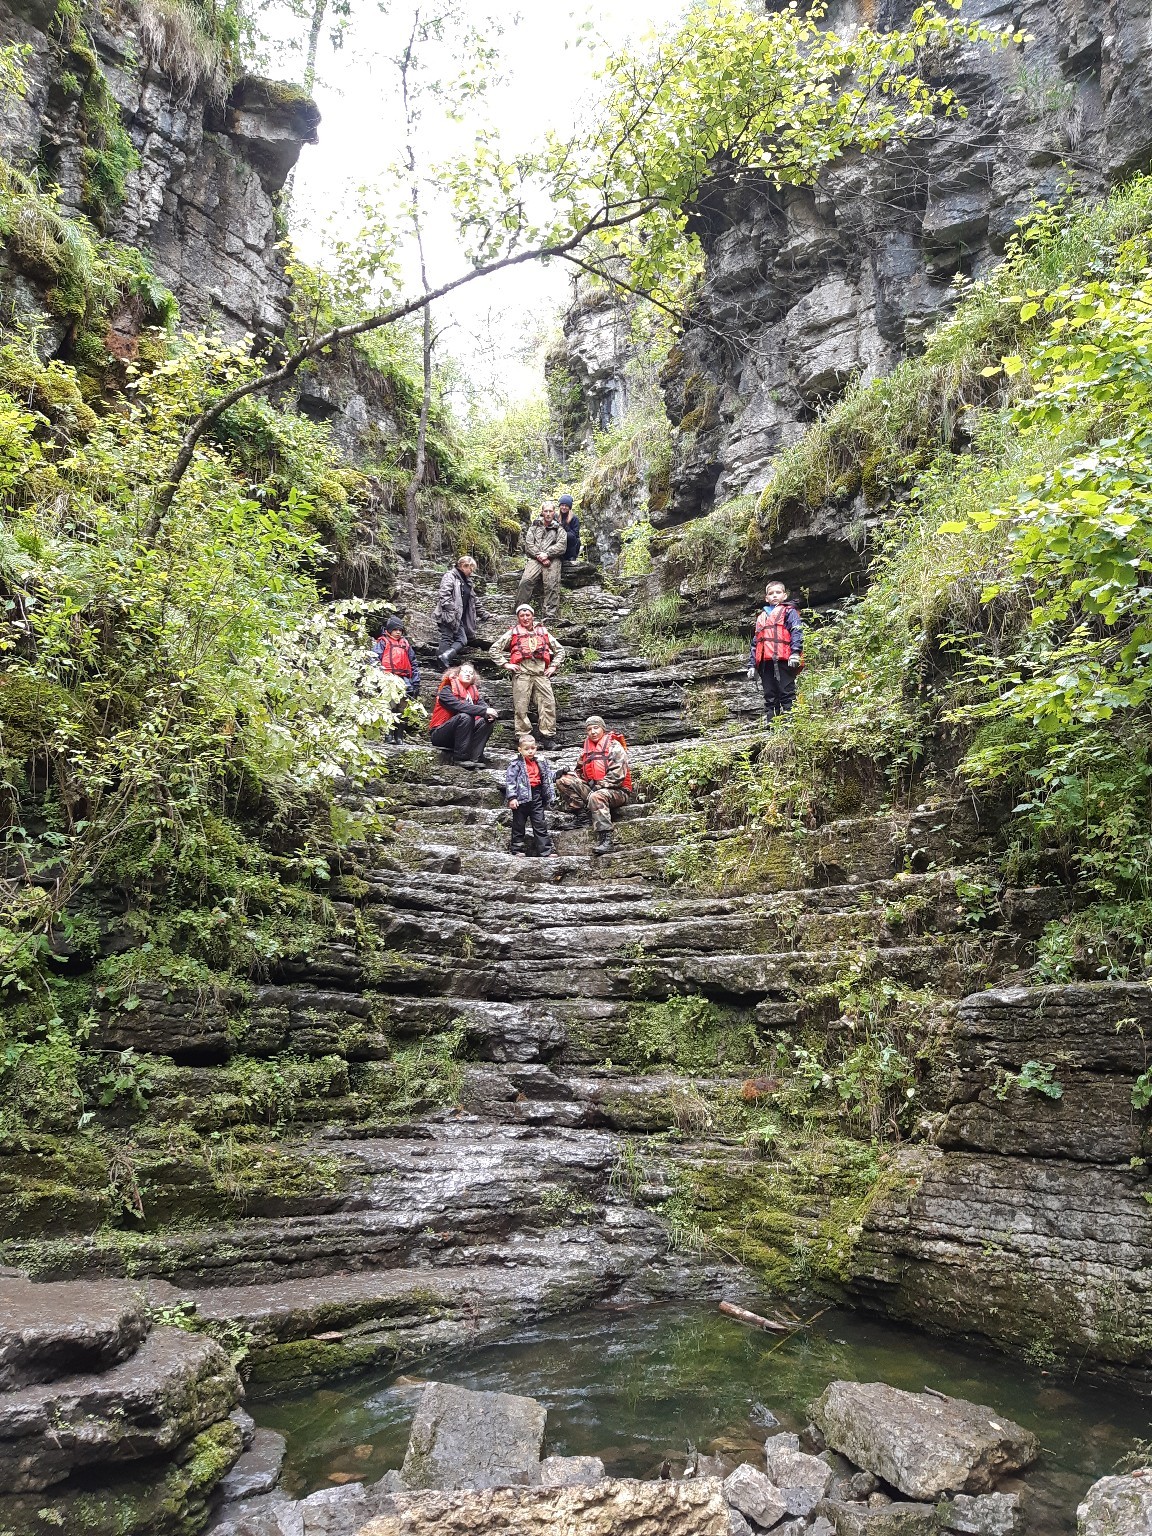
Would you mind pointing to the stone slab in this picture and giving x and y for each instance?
(66, 1328)
(463, 1439)
(925, 1446)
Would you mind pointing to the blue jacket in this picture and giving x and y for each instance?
(517, 787)
(572, 529)
(795, 629)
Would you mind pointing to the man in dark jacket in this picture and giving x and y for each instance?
(571, 526)
(777, 652)
(459, 610)
(529, 788)
(462, 720)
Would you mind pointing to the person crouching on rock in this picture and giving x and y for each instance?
(462, 721)
(529, 788)
(397, 657)
(602, 781)
(532, 655)
(777, 652)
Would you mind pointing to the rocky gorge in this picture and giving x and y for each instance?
(475, 1091)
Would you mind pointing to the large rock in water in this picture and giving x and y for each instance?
(464, 1439)
(1117, 1506)
(924, 1445)
(694, 1508)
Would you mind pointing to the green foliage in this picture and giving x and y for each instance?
(85, 276)
(108, 156)
(1033, 1077)
(689, 1033)
(195, 42)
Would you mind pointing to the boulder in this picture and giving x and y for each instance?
(692, 1508)
(175, 1385)
(888, 1519)
(749, 1491)
(571, 1471)
(1117, 1506)
(925, 1446)
(464, 1439)
(981, 1514)
(67, 1328)
(258, 1468)
(802, 1480)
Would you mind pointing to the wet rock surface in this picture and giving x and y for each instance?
(923, 1445)
(47, 1331)
(463, 1439)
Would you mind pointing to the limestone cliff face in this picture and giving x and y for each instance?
(809, 289)
(212, 162)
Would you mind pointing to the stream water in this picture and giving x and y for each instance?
(635, 1386)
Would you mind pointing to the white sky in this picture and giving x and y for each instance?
(494, 327)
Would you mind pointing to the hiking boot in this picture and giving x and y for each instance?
(518, 853)
(483, 761)
(603, 843)
(464, 762)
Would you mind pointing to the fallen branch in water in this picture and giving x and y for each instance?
(754, 1320)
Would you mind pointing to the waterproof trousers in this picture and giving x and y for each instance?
(531, 811)
(778, 680)
(548, 578)
(452, 642)
(578, 795)
(465, 736)
(532, 691)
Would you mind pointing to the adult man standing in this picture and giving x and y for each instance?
(602, 781)
(532, 655)
(544, 545)
(571, 525)
(459, 610)
(777, 652)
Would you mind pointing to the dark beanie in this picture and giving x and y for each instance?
(565, 501)
(392, 622)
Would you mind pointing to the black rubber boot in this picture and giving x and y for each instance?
(603, 843)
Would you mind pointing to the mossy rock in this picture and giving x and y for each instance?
(52, 1185)
(168, 1498)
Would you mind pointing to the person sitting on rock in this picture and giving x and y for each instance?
(602, 781)
(544, 544)
(530, 788)
(462, 720)
(459, 611)
(396, 656)
(777, 652)
(531, 654)
(571, 525)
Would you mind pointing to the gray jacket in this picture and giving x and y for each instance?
(458, 604)
(547, 543)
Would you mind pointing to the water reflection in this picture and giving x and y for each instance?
(636, 1386)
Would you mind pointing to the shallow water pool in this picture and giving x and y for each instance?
(636, 1386)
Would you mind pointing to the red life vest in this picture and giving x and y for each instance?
(594, 759)
(471, 692)
(530, 645)
(772, 638)
(395, 656)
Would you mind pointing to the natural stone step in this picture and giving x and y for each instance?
(175, 1385)
(49, 1331)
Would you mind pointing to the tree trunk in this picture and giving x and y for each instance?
(417, 480)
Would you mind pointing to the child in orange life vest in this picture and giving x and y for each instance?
(529, 788)
(602, 781)
(396, 656)
(777, 652)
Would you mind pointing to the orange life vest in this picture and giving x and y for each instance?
(530, 645)
(772, 638)
(470, 691)
(395, 656)
(594, 759)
